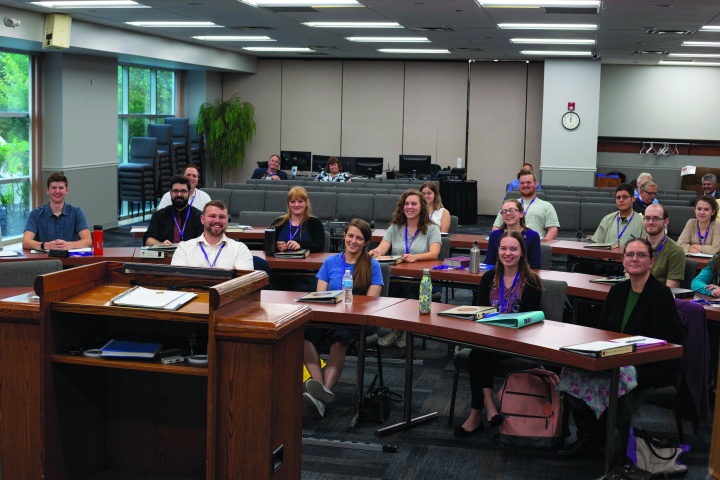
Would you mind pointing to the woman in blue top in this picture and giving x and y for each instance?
(708, 280)
(367, 280)
(514, 219)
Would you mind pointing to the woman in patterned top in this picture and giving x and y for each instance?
(333, 172)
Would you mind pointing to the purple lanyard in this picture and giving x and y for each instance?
(528, 207)
(292, 234)
(660, 247)
(212, 265)
(182, 230)
(408, 245)
(617, 221)
(702, 240)
(505, 303)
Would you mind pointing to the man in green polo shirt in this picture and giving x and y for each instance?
(669, 264)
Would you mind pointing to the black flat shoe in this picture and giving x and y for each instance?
(496, 420)
(461, 432)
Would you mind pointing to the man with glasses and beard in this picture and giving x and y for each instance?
(177, 222)
(669, 265)
(213, 249)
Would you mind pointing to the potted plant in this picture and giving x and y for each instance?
(228, 126)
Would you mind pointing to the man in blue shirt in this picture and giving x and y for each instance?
(56, 225)
(272, 172)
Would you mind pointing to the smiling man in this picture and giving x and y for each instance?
(197, 197)
(709, 187)
(669, 266)
(646, 195)
(272, 172)
(539, 214)
(213, 248)
(56, 225)
(623, 225)
(177, 222)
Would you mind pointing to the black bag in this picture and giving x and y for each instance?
(58, 253)
(627, 472)
(375, 405)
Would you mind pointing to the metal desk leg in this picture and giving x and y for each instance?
(359, 381)
(611, 417)
(408, 421)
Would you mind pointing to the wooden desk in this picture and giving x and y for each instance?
(540, 341)
(111, 254)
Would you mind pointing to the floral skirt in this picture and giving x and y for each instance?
(595, 389)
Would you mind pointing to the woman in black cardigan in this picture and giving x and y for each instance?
(641, 305)
(298, 228)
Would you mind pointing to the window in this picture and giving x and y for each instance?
(15, 154)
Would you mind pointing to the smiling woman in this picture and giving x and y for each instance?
(702, 235)
(298, 228)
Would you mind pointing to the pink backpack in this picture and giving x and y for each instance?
(532, 409)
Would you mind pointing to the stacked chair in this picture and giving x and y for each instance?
(197, 151)
(181, 141)
(138, 179)
(165, 155)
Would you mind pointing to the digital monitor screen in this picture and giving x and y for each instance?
(289, 159)
(319, 162)
(348, 164)
(369, 166)
(419, 163)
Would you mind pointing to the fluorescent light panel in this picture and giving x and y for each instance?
(547, 26)
(556, 53)
(690, 64)
(701, 44)
(696, 55)
(90, 4)
(413, 50)
(388, 39)
(302, 3)
(234, 38)
(538, 3)
(553, 41)
(353, 24)
(278, 49)
(173, 24)
(710, 28)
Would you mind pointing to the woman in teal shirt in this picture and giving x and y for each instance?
(708, 280)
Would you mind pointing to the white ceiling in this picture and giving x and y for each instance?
(471, 31)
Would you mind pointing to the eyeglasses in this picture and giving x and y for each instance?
(508, 210)
(650, 193)
(639, 255)
(179, 192)
(622, 197)
(653, 219)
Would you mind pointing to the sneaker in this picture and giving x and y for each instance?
(316, 406)
(319, 391)
(402, 343)
(389, 339)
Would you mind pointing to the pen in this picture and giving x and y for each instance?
(636, 340)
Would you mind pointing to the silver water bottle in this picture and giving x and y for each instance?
(475, 258)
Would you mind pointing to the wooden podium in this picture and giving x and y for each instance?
(68, 416)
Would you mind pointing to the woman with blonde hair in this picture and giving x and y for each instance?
(298, 228)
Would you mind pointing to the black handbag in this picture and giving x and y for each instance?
(627, 472)
(375, 405)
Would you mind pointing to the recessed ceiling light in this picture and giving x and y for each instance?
(556, 53)
(388, 39)
(173, 24)
(90, 4)
(553, 41)
(689, 64)
(234, 38)
(696, 55)
(538, 3)
(711, 28)
(353, 24)
(302, 3)
(278, 49)
(413, 50)
(701, 44)
(546, 26)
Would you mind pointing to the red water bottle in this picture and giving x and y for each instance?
(97, 240)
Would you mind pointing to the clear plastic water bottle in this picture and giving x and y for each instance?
(425, 292)
(347, 285)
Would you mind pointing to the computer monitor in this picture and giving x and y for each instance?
(319, 162)
(419, 163)
(289, 159)
(369, 166)
(348, 164)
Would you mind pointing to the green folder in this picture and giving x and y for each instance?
(514, 320)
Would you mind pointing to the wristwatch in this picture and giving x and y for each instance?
(42, 245)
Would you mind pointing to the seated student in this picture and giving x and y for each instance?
(623, 225)
(539, 214)
(646, 195)
(514, 220)
(412, 235)
(333, 172)
(709, 187)
(707, 281)
(669, 263)
(272, 172)
(177, 222)
(298, 228)
(702, 235)
(512, 287)
(641, 305)
(197, 197)
(515, 184)
(439, 215)
(213, 249)
(367, 280)
(56, 225)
